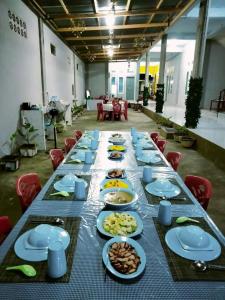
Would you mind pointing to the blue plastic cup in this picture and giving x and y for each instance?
(88, 157)
(165, 214)
(96, 134)
(133, 131)
(147, 174)
(138, 150)
(94, 144)
(57, 265)
(80, 191)
(134, 138)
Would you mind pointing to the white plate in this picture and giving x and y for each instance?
(37, 255)
(105, 214)
(58, 186)
(151, 189)
(174, 244)
(140, 252)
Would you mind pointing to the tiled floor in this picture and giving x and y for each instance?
(210, 126)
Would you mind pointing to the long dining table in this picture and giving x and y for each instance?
(89, 278)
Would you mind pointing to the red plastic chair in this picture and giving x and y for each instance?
(174, 159)
(154, 136)
(101, 113)
(161, 144)
(201, 188)
(69, 143)
(125, 110)
(116, 113)
(57, 157)
(77, 134)
(27, 188)
(5, 227)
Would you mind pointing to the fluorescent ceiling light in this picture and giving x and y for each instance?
(111, 46)
(110, 52)
(110, 20)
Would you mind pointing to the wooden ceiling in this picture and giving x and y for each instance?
(82, 24)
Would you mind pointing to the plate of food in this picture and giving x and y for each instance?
(116, 148)
(118, 197)
(115, 155)
(124, 257)
(115, 183)
(113, 224)
(117, 141)
(116, 173)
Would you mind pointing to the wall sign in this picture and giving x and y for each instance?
(16, 24)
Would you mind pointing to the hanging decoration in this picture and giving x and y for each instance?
(140, 42)
(79, 28)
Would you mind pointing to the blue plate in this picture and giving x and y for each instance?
(79, 155)
(153, 159)
(104, 214)
(206, 255)
(173, 192)
(123, 180)
(38, 255)
(58, 186)
(115, 158)
(137, 247)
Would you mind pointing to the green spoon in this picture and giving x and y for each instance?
(184, 219)
(76, 161)
(27, 270)
(62, 193)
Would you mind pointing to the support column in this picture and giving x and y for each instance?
(201, 37)
(147, 62)
(106, 78)
(137, 80)
(162, 59)
(42, 62)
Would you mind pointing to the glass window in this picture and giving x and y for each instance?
(120, 85)
(113, 80)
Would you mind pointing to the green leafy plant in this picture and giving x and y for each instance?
(159, 98)
(28, 132)
(166, 122)
(193, 112)
(181, 130)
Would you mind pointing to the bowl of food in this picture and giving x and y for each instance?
(118, 197)
(116, 135)
(117, 141)
(119, 148)
(115, 155)
(115, 183)
(116, 173)
(124, 257)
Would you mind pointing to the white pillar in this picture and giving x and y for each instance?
(201, 37)
(147, 63)
(162, 59)
(42, 62)
(137, 80)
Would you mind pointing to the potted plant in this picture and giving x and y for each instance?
(11, 162)
(28, 132)
(187, 141)
(159, 98)
(181, 131)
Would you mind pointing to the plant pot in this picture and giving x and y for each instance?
(28, 150)
(178, 137)
(187, 142)
(10, 162)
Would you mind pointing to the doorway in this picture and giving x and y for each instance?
(130, 88)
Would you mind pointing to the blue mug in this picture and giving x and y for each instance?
(88, 157)
(80, 191)
(165, 213)
(57, 265)
(94, 144)
(147, 174)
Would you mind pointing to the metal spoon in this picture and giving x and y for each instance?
(27, 270)
(201, 265)
(184, 219)
(62, 193)
(58, 221)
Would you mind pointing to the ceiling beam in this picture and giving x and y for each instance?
(98, 45)
(106, 37)
(127, 9)
(115, 52)
(130, 26)
(147, 12)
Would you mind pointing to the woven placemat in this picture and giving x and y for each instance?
(71, 225)
(70, 161)
(71, 196)
(182, 198)
(181, 268)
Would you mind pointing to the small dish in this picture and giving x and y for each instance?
(117, 148)
(139, 250)
(104, 214)
(115, 183)
(116, 173)
(115, 155)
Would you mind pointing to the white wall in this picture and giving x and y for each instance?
(178, 67)
(79, 68)
(96, 78)
(214, 72)
(20, 73)
(59, 70)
